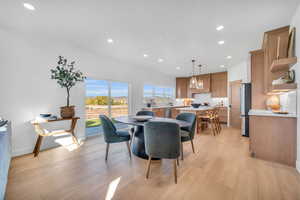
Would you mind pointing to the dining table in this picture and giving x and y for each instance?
(138, 145)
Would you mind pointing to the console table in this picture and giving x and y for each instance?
(43, 132)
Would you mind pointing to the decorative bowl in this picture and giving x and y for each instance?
(142, 118)
(45, 115)
(196, 105)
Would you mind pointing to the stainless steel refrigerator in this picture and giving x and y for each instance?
(245, 107)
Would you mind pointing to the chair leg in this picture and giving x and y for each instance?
(106, 153)
(132, 138)
(216, 126)
(175, 171)
(181, 148)
(128, 147)
(177, 161)
(148, 167)
(193, 146)
(212, 127)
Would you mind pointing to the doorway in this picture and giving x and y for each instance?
(104, 97)
(235, 103)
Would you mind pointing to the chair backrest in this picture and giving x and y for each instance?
(109, 128)
(190, 118)
(162, 139)
(145, 112)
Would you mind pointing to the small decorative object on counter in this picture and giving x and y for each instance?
(66, 77)
(273, 103)
(288, 77)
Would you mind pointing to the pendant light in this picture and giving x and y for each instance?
(193, 80)
(200, 84)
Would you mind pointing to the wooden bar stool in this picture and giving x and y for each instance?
(217, 119)
(208, 119)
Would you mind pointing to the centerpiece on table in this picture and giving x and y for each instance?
(66, 77)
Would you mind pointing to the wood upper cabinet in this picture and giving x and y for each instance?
(206, 85)
(219, 84)
(275, 47)
(258, 96)
(182, 87)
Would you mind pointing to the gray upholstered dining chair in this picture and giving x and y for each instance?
(112, 135)
(187, 133)
(140, 129)
(162, 140)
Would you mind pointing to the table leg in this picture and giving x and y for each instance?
(37, 147)
(73, 125)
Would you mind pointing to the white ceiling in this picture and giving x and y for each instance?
(175, 30)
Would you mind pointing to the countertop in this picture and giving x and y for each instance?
(196, 109)
(154, 107)
(269, 113)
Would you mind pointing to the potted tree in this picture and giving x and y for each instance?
(66, 77)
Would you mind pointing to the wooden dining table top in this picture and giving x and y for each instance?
(131, 121)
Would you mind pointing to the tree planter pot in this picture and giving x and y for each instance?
(67, 111)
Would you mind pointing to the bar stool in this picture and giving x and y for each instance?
(217, 119)
(208, 119)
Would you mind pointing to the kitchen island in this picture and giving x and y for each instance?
(165, 111)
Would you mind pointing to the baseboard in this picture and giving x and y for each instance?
(298, 165)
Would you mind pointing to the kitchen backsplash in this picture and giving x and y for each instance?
(288, 102)
(201, 98)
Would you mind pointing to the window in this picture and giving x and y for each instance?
(104, 98)
(158, 95)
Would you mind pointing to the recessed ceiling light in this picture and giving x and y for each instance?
(222, 66)
(219, 27)
(146, 55)
(28, 6)
(160, 60)
(109, 40)
(229, 57)
(221, 42)
(178, 68)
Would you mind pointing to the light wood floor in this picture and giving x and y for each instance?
(220, 169)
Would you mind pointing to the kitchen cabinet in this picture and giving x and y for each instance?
(275, 47)
(274, 138)
(159, 112)
(206, 85)
(258, 96)
(182, 87)
(219, 84)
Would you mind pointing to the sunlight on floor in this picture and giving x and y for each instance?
(112, 188)
(67, 142)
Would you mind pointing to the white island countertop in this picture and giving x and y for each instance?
(155, 107)
(269, 113)
(201, 108)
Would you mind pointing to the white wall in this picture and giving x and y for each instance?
(296, 23)
(239, 72)
(27, 90)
